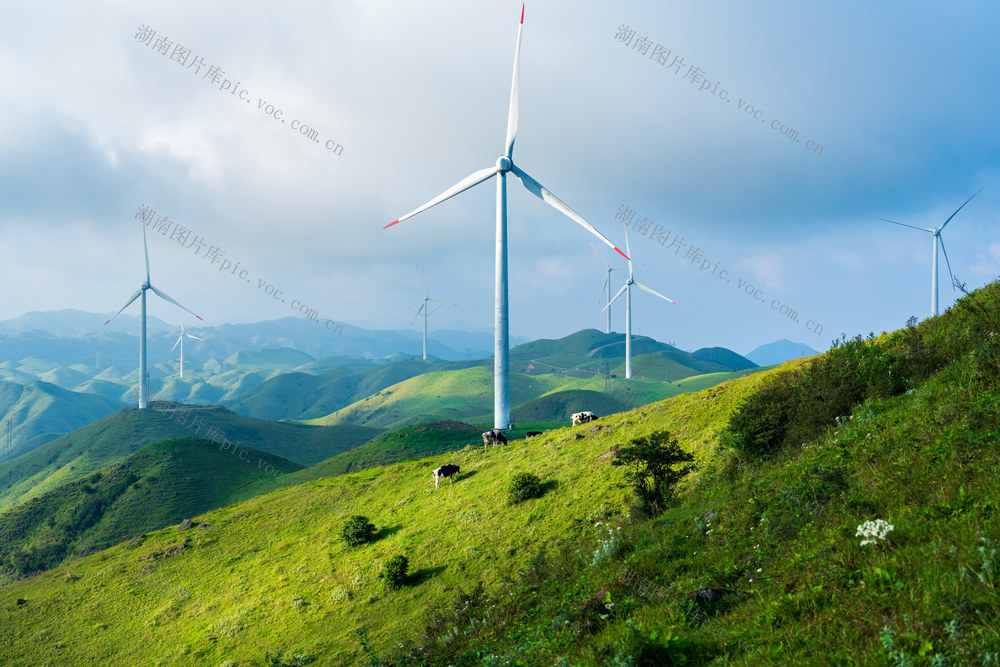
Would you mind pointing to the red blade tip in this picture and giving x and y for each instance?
(522, 13)
(106, 323)
(199, 317)
(390, 224)
(623, 254)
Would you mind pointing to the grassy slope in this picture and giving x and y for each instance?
(89, 449)
(36, 408)
(281, 578)
(783, 532)
(159, 485)
(467, 395)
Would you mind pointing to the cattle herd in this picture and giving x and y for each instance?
(494, 436)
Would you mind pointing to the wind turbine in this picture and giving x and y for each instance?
(607, 281)
(424, 308)
(627, 288)
(180, 341)
(505, 164)
(934, 260)
(141, 292)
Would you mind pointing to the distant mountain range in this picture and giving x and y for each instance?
(779, 352)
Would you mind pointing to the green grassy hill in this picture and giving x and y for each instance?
(308, 396)
(758, 561)
(559, 406)
(107, 440)
(455, 394)
(37, 408)
(159, 485)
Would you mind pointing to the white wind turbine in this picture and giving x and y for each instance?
(180, 341)
(141, 292)
(505, 164)
(934, 259)
(424, 308)
(627, 288)
(607, 282)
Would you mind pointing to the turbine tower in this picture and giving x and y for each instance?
(934, 258)
(180, 341)
(505, 165)
(627, 288)
(424, 308)
(141, 292)
(607, 281)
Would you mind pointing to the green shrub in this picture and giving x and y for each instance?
(358, 530)
(760, 424)
(654, 465)
(523, 485)
(395, 574)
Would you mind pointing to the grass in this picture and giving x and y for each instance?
(568, 578)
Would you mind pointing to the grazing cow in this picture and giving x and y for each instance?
(583, 418)
(449, 470)
(494, 435)
(532, 434)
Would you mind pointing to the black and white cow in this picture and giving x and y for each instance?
(449, 470)
(583, 417)
(494, 436)
(532, 434)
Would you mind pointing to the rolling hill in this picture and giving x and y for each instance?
(760, 558)
(40, 411)
(161, 484)
(107, 440)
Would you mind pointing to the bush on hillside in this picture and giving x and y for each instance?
(523, 486)
(357, 531)
(654, 465)
(793, 408)
(395, 573)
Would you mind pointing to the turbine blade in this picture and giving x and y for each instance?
(654, 293)
(447, 303)
(145, 249)
(599, 254)
(624, 287)
(421, 277)
(177, 343)
(542, 193)
(469, 181)
(195, 337)
(127, 303)
(419, 310)
(163, 295)
(607, 279)
(903, 224)
(950, 275)
(629, 251)
(959, 209)
(512, 112)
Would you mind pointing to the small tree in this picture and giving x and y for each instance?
(523, 485)
(395, 574)
(358, 530)
(655, 464)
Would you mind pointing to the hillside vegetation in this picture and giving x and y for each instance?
(160, 485)
(88, 449)
(778, 549)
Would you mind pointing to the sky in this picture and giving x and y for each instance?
(750, 149)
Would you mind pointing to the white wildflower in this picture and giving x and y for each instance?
(874, 532)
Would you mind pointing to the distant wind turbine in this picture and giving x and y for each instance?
(180, 341)
(934, 259)
(141, 292)
(627, 288)
(424, 308)
(505, 164)
(607, 281)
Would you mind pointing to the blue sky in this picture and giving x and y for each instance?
(901, 97)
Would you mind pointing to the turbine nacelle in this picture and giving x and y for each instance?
(504, 164)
